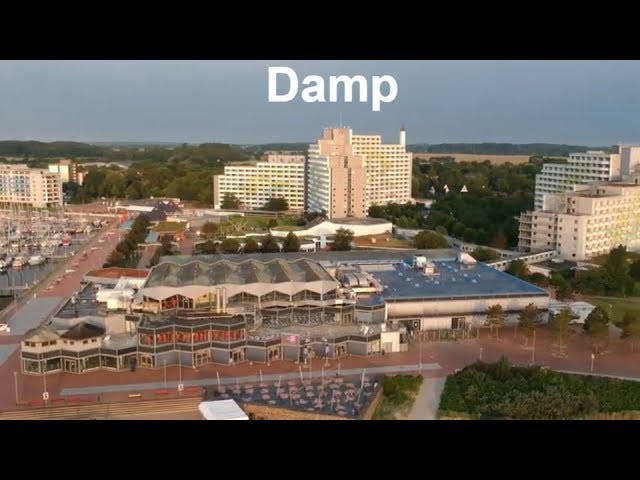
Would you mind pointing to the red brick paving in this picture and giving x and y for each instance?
(450, 355)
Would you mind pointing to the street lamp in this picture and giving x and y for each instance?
(480, 353)
(15, 381)
(164, 362)
(593, 357)
(533, 350)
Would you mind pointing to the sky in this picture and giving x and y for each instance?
(593, 103)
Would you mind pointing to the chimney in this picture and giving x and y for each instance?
(224, 300)
(403, 136)
(217, 300)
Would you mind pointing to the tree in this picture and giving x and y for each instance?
(230, 202)
(518, 268)
(269, 244)
(496, 318)
(482, 254)
(209, 248)
(426, 239)
(276, 204)
(209, 230)
(631, 327)
(596, 326)
(441, 230)
(539, 279)
(615, 272)
(230, 245)
(634, 270)
(376, 211)
(499, 241)
(342, 240)
(561, 325)
(528, 320)
(564, 292)
(291, 243)
(251, 246)
(272, 223)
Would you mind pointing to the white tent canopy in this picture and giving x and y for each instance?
(222, 410)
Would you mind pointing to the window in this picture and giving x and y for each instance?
(94, 340)
(84, 342)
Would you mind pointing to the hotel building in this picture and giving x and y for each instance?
(68, 171)
(254, 183)
(348, 173)
(587, 222)
(37, 187)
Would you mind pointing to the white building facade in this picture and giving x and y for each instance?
(36, 187)
(253, 184)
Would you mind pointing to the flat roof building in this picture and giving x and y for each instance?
(587, 222)
(254, 183)
(269, 307)
(36, 187)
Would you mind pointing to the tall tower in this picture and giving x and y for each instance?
(403, 136)
(347, 173)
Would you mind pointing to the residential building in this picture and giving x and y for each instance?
(587, 222)
(37, 187)
(581, 169)
(254, 183)
(348, 173)
(192, 311)
(68, 171)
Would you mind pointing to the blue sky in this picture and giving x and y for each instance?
(578, 102)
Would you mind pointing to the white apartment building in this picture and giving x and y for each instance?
(348, 173)
(37, 187)
(254, 183)
(587, 222)
(68, 171)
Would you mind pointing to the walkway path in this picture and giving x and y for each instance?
(427, 401)
(250, 379)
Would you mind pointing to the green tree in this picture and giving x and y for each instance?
(631, 328)
(209, 230)
(291, 243)
(272, 223)
(499, 241)
(230, 202)
(539, 279)
(230, 245)
(376, 211)
(342, 240)
(518, 268)
(482, 254)
(528, 320)
(634, 270)
(269, 244)
(596, 326)
(208, 248)
(561, 325)
(276, 204)
(251, 246)
(441, 230)
(615, 272)
(496, 318)
(429, 240)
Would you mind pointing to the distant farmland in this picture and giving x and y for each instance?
(469, 157)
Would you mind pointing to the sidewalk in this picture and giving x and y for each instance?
(252, 379)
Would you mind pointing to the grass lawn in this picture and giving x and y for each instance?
(170, 227)
(399, 393)
(252, 224)
(615, 307)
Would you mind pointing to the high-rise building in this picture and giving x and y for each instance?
(589, 168)
(68, 171)
(37, 187)
(587, 222)
(348, 173)
(254, 183)
(585, 168)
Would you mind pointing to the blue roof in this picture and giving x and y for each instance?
(126, 225)
(152, 237)
(453, 280)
